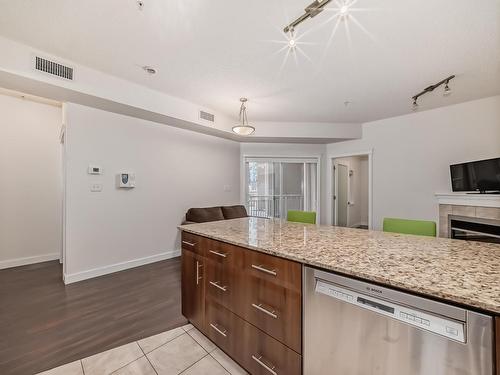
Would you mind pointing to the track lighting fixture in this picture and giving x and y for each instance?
(292, 43)
(244, 128)
(431, 88)
(447, 90)
(312, 10)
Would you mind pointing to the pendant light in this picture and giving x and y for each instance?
(244, 128)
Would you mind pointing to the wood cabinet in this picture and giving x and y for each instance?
(497, 342)
(246, 302)
(192, 288)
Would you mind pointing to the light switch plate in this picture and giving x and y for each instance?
(96, 188)
(227, 188)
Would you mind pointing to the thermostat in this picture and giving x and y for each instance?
(94, 169)
(126, 180)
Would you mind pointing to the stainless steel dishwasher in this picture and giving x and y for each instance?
(356, 328)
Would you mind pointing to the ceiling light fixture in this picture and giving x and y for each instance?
(431, 88)
(244, 128)
(292, 43)
(447, 90)
(344, 9)
(312, 10)
(149, 69)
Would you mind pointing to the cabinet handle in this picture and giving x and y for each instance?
(264, 310)
(218, 254)
(216, 284)
(263, 269)
(189, 243)
(260, 361)
(198, 277)
(216, 328)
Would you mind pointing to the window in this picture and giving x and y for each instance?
(274, 186)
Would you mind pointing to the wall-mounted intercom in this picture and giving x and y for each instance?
(126, 180)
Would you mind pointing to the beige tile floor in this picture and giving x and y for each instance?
(183, 350)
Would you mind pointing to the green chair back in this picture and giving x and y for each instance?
(308, 217)
(418, 227)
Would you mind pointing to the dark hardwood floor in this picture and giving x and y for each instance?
(44, 324)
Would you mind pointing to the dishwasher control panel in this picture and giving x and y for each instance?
(443, 326)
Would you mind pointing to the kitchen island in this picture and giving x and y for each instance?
(248, 273)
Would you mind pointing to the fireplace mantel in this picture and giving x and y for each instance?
(464, 199)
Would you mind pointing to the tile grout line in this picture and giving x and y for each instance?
(165, 343)
(187, 368)
(221, 365)
(147, 358)
(130, 361)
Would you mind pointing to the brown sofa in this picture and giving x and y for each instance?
(205, 214)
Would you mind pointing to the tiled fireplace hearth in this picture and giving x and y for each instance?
(476, 208)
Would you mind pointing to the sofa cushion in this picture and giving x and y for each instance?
(234, 212)
(202, 215)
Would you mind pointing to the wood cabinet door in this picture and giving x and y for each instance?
(193, 291)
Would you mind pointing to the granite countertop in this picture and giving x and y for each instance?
(464, 272)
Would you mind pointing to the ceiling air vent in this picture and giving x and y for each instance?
(207, 116)
(53, 68)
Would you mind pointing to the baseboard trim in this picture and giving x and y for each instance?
(105, 270)
(28, 260)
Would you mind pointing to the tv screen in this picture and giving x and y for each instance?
(482, 175)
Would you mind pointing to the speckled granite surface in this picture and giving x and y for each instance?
(464, 272)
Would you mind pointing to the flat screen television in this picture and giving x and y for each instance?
(481, 176)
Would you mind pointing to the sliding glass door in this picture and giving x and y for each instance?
(274, 186)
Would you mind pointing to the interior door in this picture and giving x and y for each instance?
(342, 195)
(193, 297)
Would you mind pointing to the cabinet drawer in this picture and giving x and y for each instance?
(263, 355)
(224, 328)
(224, 253)
(222, 283)
(272, 308)
(192, 242)
(280, 271)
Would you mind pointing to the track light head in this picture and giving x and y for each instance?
(415, 104)
(447, 90)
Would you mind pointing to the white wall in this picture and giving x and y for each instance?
(412, 154)
(175, 170)
(30, 182)
(288, 150)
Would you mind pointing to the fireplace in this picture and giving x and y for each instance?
(474, 229)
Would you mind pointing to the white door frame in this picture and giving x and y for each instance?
(331, 193)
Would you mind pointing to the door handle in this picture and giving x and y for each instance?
(222, 255)
(264, 310)
(217, 285)
(258, 358)
(189, 243)
(218, 330)
(263, 269)
(198, 277)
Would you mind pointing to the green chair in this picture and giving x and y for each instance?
(418, 227)
(308, 217)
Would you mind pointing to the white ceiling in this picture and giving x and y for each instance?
(212, 52)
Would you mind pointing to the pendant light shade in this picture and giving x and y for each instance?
(244, 128)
